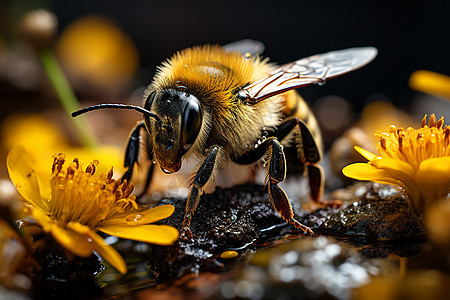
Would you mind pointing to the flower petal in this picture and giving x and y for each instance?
(395, 172)
(24, 177)
(363, 171)
(41, 217)
(79, 228)
(367, 154)
(142, 216)
(430, 82)
(151, 215)
(153, 234)
(104, 250)
(434, 171)
(394, 165)
(76, 243)
(109, 253)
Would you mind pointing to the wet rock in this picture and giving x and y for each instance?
(228, 219)
(239, 218)
(242, 219)
(310, 268)
(374, 211)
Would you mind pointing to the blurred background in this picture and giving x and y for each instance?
(109, 51)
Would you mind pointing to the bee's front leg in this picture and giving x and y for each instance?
(132, 155)
(201, 178)
(276, 173)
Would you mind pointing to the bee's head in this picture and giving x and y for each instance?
(174, 134)
(172, 118)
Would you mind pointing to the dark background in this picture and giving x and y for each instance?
(409, 35)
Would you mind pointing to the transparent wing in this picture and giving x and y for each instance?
(306, 71)
(252, 47)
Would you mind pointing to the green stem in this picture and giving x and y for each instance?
(66, 96)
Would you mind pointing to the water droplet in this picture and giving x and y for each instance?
(154, 161)
(18, 186)
(256, 145)
(246, 145)
(166, 171)
(135, 219)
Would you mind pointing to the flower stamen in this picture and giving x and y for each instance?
(416, 159)
(82, 204)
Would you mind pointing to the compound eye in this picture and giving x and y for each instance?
(191, 123)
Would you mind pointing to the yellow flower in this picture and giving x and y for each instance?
(94, 49)
(418, 160)
(42, 138)
(430, 82)
(81, 204)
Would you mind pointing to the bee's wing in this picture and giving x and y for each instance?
(306, 71)
(246, 47)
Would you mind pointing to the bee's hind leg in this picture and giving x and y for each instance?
(201, 178)
(312, 155)
(309, 152)
(132, 155)
(276, 173)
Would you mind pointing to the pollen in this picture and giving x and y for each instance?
(229, 254)
(79, 196)
(77, 203)
(413, 146)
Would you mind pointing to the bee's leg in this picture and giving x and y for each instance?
(201, 178)
(132, 155)
(312, 155)
(276, 173)
(309, 153)
(132, 152)
(148, 179)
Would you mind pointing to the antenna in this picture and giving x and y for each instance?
(119, 106)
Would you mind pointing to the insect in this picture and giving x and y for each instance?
(226, 103)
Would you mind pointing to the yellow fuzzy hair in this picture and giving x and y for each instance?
(226, 113)
(185, 67)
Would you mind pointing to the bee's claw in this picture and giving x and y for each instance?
(186, 234)
(185, 230)
(300, 226)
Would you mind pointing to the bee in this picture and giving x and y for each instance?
(226, 103)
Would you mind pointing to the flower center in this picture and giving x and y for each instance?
(415, 145)
(79, 196)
